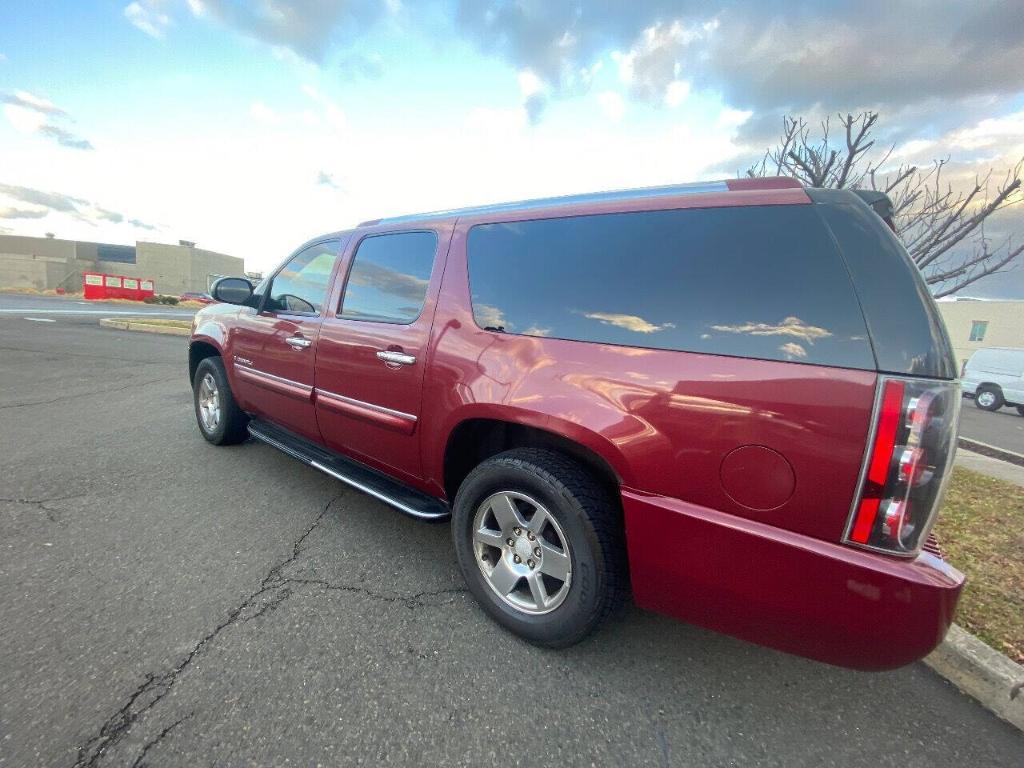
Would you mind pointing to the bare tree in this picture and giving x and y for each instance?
(943, 228)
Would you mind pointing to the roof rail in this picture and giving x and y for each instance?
(693, 188)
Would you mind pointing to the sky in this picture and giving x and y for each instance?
(249, 127)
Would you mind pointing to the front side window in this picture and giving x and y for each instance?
(761, 282)
(978, 328)
(389, 276)
(300, 287)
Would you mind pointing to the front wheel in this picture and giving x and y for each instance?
(988, 399)
(1020, 410)
(540, 544)
(220, 419)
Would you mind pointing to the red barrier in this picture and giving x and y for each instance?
(98, 286)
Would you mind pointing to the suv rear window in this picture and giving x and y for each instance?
(763, 282)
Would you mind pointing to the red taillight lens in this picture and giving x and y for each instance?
(910, 458)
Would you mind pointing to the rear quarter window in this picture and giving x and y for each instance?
(763, 282)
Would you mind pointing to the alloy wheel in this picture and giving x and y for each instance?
(522, 552)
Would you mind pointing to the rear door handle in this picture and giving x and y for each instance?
(396, 358)
(297, 342)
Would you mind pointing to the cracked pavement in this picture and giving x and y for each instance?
(164, 602)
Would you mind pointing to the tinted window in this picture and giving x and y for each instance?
(301, 285)
(389, 276)
(762, 282)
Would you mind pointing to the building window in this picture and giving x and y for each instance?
(978, 329)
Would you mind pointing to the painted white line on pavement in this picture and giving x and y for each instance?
(104, 312)
(40, 319)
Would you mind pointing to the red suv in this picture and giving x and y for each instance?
(735, 400)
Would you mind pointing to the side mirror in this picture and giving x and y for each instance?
(232, 290)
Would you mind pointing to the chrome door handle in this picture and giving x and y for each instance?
(297, 342)
(396, 358)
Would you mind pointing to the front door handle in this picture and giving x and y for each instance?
(297, 342)
(396, 358)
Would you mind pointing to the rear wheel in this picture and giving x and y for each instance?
(989, 398)
(220, 419)
(1020, 410)
(540, 544)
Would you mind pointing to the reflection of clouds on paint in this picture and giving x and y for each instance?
(389, 281)
(790, 326)
(793, 349)
(534, 330)
(627, 322)
(488, 316)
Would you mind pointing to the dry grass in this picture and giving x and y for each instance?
(37, 292)
(981, 529)
(158, 321)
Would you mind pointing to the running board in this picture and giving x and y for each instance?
(361, 477)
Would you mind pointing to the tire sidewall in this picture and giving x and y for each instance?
(215, 367)
(996, 405)
(562, 625)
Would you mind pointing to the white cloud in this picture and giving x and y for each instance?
(148, 16)
(261, 113)
(197, 8)
(676, 93)
(612, 104)
(24, 120)
(529, 83)
(332, 113)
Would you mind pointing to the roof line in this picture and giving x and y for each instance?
(693, 188)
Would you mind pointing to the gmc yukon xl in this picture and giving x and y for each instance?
(735, 400)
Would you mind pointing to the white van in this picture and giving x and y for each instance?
(994, 377)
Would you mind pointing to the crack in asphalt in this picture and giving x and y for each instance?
(155, 741)
(131, 385)
(274, 586)
(51, 514)
(120, 723)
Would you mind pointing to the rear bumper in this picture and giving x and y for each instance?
(825, 601)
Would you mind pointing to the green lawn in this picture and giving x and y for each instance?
(981, 530)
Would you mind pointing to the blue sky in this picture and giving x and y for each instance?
(250, 127)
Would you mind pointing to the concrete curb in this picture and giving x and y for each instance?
(991, 451)
(134, 325)
(981, 672)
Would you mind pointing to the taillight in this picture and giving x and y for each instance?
(907, 465)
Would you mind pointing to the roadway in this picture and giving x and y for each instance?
(165, 602)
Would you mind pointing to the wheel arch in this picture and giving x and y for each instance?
(476, 438)
(198, 350)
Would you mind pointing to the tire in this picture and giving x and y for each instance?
(989, 398)
(228, 426)
(1020, 410)
(584, 523)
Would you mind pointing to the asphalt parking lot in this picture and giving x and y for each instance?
(1003, 428)
(164, 602)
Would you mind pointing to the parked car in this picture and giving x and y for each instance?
(736, 399)
(994, 377)
(202, 298)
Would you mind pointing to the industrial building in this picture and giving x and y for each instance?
(974, 324)
(51, 263)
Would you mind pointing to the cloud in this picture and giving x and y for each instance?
(325, 179)
(64, 137)
(488, 316)
(31, 114)
(385, 280)
(790, 326)
(765, 56)
(55, 202)
(628, 322)
(32, 102)
(148, 16)
(22, 213)
(304, 27)
(793, 350)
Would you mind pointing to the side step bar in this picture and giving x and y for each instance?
(361, 477)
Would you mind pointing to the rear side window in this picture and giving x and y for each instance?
(763, 282)
(389, 276)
